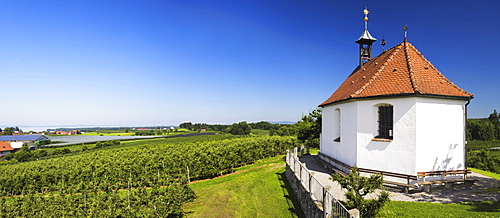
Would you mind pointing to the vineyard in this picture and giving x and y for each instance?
(135, 179)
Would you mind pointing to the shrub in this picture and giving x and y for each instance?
(484, 160)
(358, 187)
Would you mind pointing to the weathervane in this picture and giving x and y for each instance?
(405, 28)
(383, 43)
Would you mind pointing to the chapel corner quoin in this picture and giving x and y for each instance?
(395, 113)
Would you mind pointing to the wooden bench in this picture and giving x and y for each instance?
(330, 166)
(443, 178)
(406, 186)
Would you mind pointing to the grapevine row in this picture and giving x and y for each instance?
(143, 165)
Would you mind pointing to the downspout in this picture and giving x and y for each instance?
(465, 137)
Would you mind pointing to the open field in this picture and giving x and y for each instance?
(109, 133)
(257, 190)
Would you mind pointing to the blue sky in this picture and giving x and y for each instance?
(132, 63)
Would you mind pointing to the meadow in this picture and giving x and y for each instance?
(130, 132)
(256, 190)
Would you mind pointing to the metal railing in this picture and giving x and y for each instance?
(319, 194)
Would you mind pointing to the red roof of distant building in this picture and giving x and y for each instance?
(5, 146)
(401, 70)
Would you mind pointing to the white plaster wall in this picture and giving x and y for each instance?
(440, 134)
(428, 135)
(345, 150)
(16, 145)
(397, 155)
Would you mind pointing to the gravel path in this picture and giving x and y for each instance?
(439, 194)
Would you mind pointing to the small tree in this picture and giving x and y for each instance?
(494, 118)
(309, 129)
(241, 128)
(358, 187)
(24, 154)
(7, 131)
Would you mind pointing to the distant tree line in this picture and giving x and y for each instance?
(103, 129)
(241, 128)
(483, 137)
(200, 126)
(151, 132)
(235, 127)
(486, 129)
(10, 130)
(307, 129)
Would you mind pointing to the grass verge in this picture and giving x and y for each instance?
(257, 190)
(486, 173)
(425, 209)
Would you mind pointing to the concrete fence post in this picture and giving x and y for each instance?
(327, 208)
(300, 172)
(310, 185)
(354, 213)
(286, 157)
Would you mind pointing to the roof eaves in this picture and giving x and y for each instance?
(400, 95)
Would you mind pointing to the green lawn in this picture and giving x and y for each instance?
(257, 190)
(425, 209)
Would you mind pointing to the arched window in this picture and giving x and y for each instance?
(385, 121)
(337, 126)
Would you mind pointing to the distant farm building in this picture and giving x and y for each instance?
(5, 149)
(17, 141)
(72, 132)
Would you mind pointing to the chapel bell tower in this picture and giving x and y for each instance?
(365, 43)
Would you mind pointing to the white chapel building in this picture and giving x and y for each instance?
(395, 113)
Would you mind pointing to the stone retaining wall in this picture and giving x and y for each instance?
(306, 202)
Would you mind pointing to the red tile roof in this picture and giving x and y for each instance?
(401, 70)
(5, 146)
